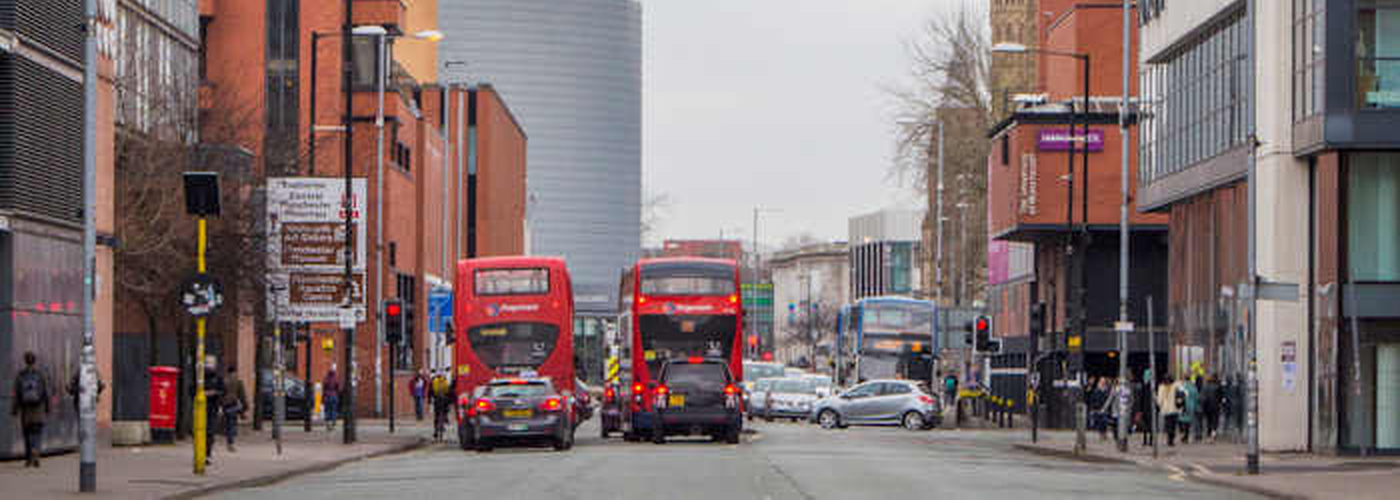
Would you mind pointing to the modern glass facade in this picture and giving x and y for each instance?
(571, 72)
(1194, 99)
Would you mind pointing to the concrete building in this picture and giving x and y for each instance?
(810, 284)
(1323, 114)
(885, 253)
(1028, 205)
(572, 72)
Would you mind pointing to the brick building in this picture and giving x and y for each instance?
(452, 181)
(1028, 204)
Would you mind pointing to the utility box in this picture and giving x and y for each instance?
(165, 383)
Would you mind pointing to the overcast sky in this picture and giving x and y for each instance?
(772, 103)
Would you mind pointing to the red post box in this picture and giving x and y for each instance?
(165, 382)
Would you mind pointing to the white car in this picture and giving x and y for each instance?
(790, 398)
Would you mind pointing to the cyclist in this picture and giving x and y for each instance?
(442, 404)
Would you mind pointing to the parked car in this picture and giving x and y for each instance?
(880, 402)
(697, 396)
(790, 398)
(521, 411)
(296, 396)
(755, 371)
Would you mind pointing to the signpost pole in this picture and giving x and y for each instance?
(201, 423)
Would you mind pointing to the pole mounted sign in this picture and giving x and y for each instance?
(306, 249)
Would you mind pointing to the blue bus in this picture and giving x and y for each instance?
(885, 338)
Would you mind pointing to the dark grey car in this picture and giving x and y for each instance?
(521, 411)
(880, 402)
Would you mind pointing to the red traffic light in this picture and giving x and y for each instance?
(393, 309)
(753, 339)
(983, 324)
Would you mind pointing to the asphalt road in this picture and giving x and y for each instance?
(780, 461)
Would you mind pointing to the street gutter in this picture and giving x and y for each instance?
(1209, 479)
(259, 481)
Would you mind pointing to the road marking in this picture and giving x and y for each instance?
(1201, 469)
(1177, 473)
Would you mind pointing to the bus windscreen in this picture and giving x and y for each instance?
(688, 278)
(513, 347)
(511, 281)
(681, 336)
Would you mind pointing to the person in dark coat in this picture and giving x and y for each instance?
(1210, 406)
(419, 388)
(213, 394)
(233, 403)
(330, 396)
(1143, 413)
(31, 405)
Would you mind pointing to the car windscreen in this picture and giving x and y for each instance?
(671, 336)
(688, 278)
(696, 376)
(512, 347)
(756, 371)
(794, 386)
(512, 391)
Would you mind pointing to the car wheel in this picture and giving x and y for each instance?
(561, 444)
(658, 436)
(484, 447)
(463, 437)
(603, 432)
(829, 419)
(913, 421)
(732, 435)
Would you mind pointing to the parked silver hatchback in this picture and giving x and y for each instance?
(880, 402)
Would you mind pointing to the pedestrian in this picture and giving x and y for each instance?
(419, 388)
(1186, 404)
(233, 403)
(1210, 406)
(31, 404)
(330, 396)
(75, 389)
(213, 394)
(1142, 417)
(1167, 402)
(950, 388)
(442, 404)
(1105, 412)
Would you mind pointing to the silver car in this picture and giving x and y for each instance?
(880, 402)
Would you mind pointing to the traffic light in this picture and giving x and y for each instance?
(969, 339)
(982, 334)
(393, 321)
(1037, 319)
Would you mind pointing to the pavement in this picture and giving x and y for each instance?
(166, 471)
(779, 461)
(1282, 475)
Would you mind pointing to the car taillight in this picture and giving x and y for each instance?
(552, 404)
(609, 395)
(730, 390)
(637, 388)
(661, 390)
(924, 398)
(485, 406)
(731, 396)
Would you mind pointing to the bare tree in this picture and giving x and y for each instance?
(950, 67)
(654, 208)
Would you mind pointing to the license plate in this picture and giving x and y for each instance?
(676, 400)
(517, 427)
(516, 413)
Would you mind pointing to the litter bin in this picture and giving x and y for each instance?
(165, 382)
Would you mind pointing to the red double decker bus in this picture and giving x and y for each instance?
(675, 308)
(514, 316)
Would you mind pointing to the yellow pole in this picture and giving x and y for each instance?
(201, 424)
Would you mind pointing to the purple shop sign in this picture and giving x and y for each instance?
(1058, 139)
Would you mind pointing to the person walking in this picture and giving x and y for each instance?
(1142, 416)
(1210, 406)
(1167, 402)
(419, 388)
(213, 396)
(233, 403)
(31, 404)
(330, 394)
(1186, 402)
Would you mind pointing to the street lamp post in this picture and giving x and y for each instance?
(1072, 313)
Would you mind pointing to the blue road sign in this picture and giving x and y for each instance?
(439, 309)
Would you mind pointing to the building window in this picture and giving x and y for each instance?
(1378, 53)
(364, 50)
(1309, 40)
(1373, 216)
(1194, 103)
(407, 291)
